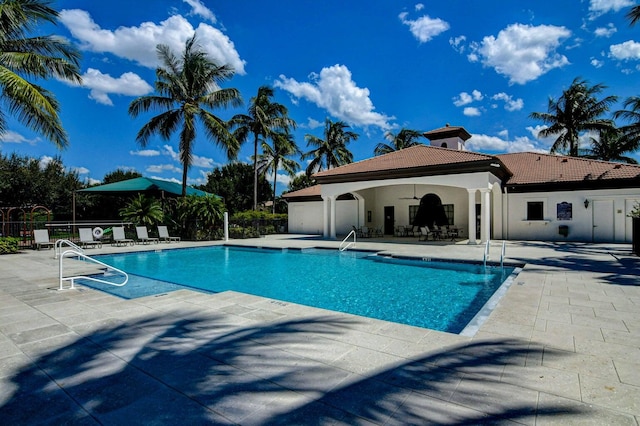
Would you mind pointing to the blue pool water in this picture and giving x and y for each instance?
(438, 295)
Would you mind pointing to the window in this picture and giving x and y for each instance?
(413, 210)
(535, 210)
(448, 211)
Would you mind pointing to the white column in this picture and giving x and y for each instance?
(325, 217)
(226, 226)
(332, 220)
(472, 216)
(485, 215)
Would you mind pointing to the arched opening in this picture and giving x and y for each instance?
(430, 212)
(444, 145)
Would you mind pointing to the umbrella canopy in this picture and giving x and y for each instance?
(142, 184)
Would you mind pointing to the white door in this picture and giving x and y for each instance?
(603, 221)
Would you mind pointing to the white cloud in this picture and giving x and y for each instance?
(174, 180)
(313, 124)
(600, 7)
(334, 90)
(92, 181)
(510, 103)
(465, 98)
(480, 142)
(196, 160)
(424, 28)
(45, 160)
(10, 136)
(101, 85)
(607, 31)
(471, 112)
(138, 44)
(159, 168)
(629, 50)
(199, 9)
(522, 52)
(457, 43)
(146, 153)
(80, 170)
(596, 63)
(419, 7)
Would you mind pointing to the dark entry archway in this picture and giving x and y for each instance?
(430, 212)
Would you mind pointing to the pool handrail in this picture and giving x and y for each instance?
(60, 243)
(502, 254)
(84, 256)
(350, 243)
(487, 246)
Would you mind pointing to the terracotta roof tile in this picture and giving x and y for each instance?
(447, 132)
(414, 157)
(311, 191)
(533, 168)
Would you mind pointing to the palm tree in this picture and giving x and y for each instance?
(405, 138)
(272, 158)
(331, 151)
(631, 132)
(39, 57)
(142, 210)
(187, 88)
(576, 111)
(633, 15)
(264, 118)
(611, 145)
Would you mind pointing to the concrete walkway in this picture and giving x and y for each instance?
(561, 347)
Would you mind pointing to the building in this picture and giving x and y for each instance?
(518, 196)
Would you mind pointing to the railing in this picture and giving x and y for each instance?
(84, 256)
(502, 254)
(348, 243)
(60, 243)
(486, 252)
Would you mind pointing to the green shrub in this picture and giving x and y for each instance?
(8, 245)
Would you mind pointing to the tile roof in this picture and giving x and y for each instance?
(447, 132)
(311, 191)
(419, 156)
(533, 168)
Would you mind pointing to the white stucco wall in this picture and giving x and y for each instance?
(607, 211)
(307, 218)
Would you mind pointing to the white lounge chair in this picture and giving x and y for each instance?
(424, 233)
(163, 233)
(143, 236)
(41, 239)
(86, 238)
(119, 237)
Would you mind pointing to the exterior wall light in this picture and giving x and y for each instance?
(586, 204)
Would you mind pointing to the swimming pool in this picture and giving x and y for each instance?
(438, 295)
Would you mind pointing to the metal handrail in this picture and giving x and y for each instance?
(502, 254)
(60, 243)
(350, 243)
(486, 252)
(84, 256)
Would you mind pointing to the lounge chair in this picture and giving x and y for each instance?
(86, 238)
(143, 236)
(119, 237)
(163, 233)
(424, 233)
(41, 239)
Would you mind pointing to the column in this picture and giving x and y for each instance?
(325, 217)
(472, 216)
(485, 215)
(332, 220)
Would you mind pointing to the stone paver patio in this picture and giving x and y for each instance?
(561, 347)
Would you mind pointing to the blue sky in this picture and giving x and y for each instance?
(378, 65)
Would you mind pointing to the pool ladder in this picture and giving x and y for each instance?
(344, 245)
(487, 246)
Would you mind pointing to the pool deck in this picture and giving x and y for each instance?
(561, 347)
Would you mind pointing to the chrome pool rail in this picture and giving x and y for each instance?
(84, 256)
(348, 244)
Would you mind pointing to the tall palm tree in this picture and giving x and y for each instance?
(631, 132)
(188, 86)
(331, 151)
(633, 15)
(264, 118)
(39, 57)
(405, 138)
(576, 111)
(276, 157)
(611, 145)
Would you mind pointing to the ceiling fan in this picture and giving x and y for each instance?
(411, 198)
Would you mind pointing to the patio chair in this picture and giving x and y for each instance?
(41, 239)
(400, 232)
(119, 237)
(86, 238)
(424, 233)
(163, 233)
(143, 236)
(453, 233)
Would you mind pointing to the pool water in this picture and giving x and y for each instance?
(443, 296)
